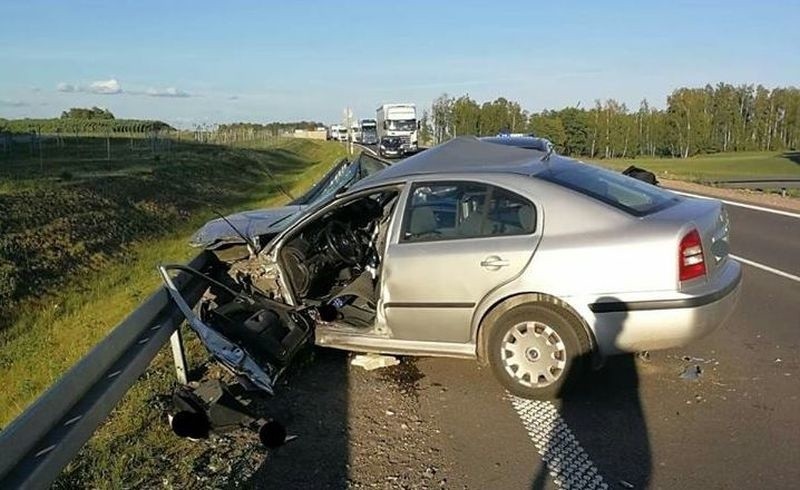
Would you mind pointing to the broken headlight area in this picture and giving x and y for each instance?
(248, 333)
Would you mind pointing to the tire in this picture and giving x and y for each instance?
(544, 358)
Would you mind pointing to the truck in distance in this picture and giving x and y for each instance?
(337, 132)
(398, 121)
(369, 131)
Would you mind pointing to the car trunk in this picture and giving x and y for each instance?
(710, 219)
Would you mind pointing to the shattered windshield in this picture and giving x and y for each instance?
(342, 176)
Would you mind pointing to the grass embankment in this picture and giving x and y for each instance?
(78, 250)
(717, 167)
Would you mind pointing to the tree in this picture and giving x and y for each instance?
(93, 113)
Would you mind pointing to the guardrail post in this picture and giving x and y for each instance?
(179, 356)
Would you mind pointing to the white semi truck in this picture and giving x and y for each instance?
(337, 132)
(398, 122)
(355, 133)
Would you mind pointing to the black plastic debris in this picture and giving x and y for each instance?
(215, 407)
(641, 174)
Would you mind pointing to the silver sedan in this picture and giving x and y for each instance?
(537, 265)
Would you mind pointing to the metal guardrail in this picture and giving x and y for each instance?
(39, 443)
(768, 183)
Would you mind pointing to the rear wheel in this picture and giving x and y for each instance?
(537, 350)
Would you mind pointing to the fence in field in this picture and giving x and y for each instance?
(47, 148)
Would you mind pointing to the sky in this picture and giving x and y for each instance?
(214, 62)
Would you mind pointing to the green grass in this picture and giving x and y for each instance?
(52, 325)
(721, 166)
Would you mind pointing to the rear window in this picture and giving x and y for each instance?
(626, 193)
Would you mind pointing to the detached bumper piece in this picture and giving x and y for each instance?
(252, 336)
(215, 407)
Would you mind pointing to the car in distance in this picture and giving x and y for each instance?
(391, 147)
(534, 264)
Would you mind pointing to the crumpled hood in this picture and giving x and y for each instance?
(250, 223)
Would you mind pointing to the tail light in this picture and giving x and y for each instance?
(691, 263)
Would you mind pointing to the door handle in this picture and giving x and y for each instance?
(493, 262)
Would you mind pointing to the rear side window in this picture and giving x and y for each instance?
(453, 210)
(628, 194)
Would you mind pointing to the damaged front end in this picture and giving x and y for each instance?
(247, 332)
(255, 314)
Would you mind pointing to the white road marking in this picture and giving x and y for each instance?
(568, 464)
(767, 268)
(742, 205)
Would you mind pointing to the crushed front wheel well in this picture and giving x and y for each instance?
(505, 304)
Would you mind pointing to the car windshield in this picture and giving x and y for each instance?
(391, 142)
(628, 194)
(401, 124)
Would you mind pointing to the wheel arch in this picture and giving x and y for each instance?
(503, 305)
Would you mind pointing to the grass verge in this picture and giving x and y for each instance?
(721, 166)
(72, 311)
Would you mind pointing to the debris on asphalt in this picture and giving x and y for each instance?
(374, 361)
(626, 484)
(692, 372)
(643, 355)
(700, 360)
(778, 360)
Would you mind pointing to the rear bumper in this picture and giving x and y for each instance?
(621, 326)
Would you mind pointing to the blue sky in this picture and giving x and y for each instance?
(199, 61)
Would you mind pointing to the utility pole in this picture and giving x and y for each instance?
(348, 117)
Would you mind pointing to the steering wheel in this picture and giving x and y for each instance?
(344, 243)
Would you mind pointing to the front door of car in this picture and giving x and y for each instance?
(457, 241)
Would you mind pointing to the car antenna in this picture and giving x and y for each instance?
(251, 246)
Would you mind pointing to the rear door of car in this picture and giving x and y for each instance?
(457, 241)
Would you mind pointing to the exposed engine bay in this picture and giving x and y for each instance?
(331, 265)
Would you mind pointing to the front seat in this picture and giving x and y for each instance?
(422, 222)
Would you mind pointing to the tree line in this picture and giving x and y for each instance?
(701, 120)
(68, 126)
(83, 113)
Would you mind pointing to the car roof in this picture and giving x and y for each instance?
(464, 154)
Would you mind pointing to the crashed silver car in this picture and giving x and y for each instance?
(535, 264)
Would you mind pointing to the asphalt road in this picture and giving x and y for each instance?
(636, 423)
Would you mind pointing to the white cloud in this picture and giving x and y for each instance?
(66, 87)
(107, 87)
(113, 86)
(166, 92)
(13, 103)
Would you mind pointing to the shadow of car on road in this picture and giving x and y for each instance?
(313, 404)
(603, 412)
